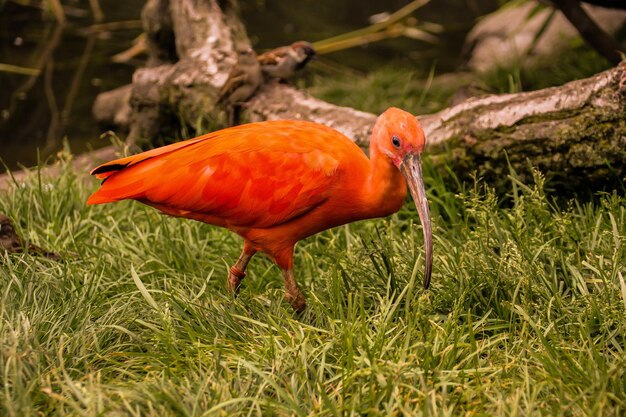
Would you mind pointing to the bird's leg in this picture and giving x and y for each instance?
(236, 114)
(238, 271)
(284, 259)
(292, 292)
(233, 114)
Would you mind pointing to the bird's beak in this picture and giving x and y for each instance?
(411, 168)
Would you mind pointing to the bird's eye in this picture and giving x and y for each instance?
(395, 141)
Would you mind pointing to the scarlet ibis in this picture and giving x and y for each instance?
(277, 182)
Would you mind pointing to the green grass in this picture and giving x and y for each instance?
(573, 63)
(526, 315)
(375, 92)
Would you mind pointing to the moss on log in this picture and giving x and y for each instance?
(575, 134)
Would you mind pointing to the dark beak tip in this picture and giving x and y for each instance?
(426, 283)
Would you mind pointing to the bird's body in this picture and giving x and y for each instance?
(243, 81)
(284, 62)
(274, 183)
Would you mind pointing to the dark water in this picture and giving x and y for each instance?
(39, 112)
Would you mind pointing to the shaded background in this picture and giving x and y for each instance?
(38, 112)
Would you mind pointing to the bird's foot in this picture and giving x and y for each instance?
(235, 276)
(297, 300)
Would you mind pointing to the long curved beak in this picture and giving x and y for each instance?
(411, 168)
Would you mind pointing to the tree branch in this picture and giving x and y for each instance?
(601, 41)
(610, 4)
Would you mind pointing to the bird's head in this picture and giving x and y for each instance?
(303, 51)
(246, 56)
(398, 135)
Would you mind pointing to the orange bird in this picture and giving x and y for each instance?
(277, 182)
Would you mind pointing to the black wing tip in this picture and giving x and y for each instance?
(116, 167)
(108, 168)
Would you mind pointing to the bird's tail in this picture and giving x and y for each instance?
(104, 171)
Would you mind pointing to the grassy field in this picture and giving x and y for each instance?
(526, 315)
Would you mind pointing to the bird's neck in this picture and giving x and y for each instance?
(386, 188)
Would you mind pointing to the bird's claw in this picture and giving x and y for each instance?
(297, 301)
(235, 276)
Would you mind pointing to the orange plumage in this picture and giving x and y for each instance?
(274, 183)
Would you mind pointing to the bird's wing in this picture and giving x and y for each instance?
(236, 78)
(273, 57)
(247, 175)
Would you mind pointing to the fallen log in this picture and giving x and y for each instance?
(112, 108)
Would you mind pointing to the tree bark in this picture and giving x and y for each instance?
(611, 4)
(601, 41)
(192, 48)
